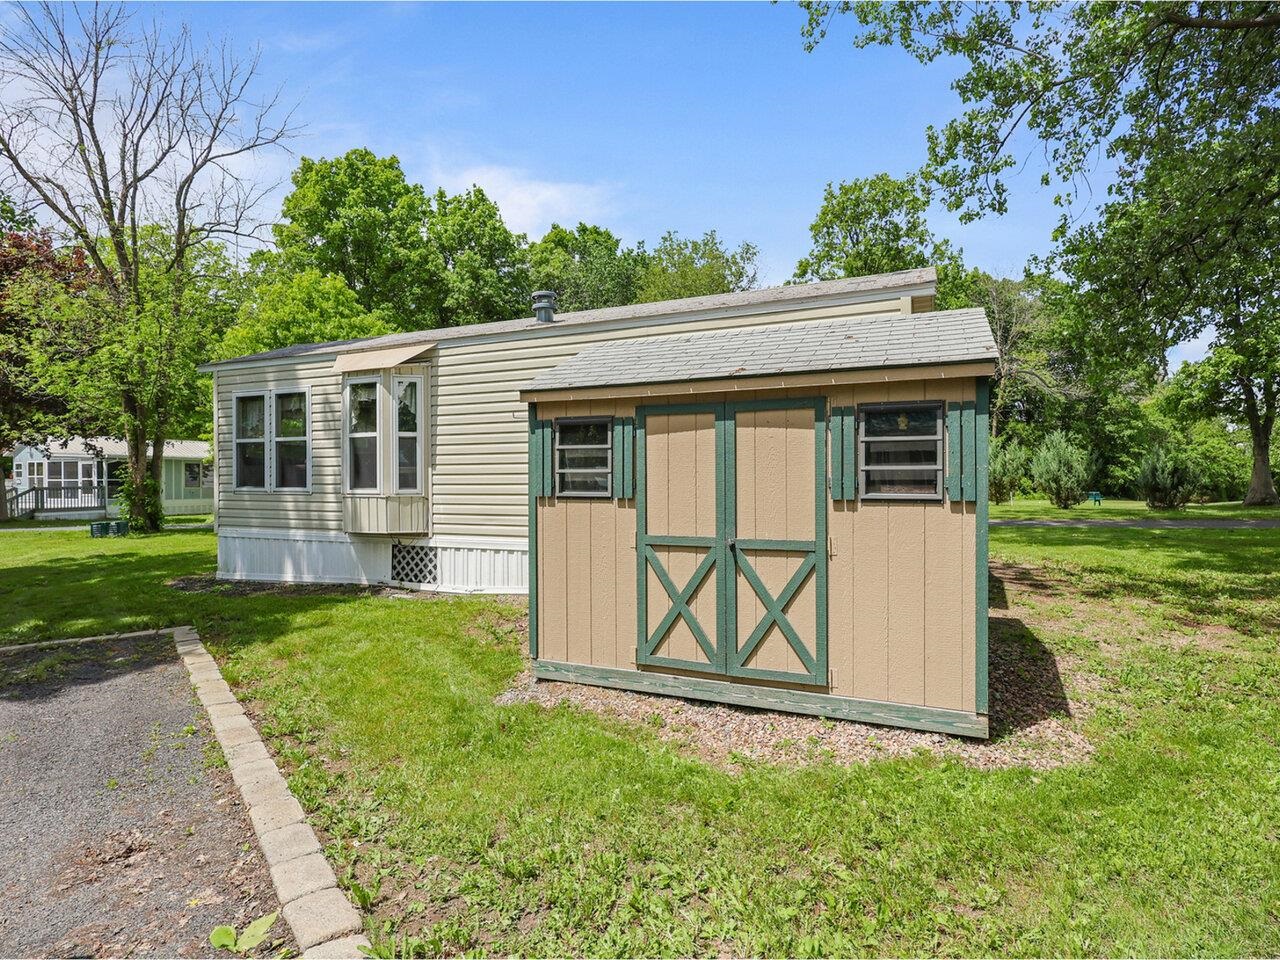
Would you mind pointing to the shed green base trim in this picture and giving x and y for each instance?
(934, 719)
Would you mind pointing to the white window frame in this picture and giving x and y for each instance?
(379, 406)
(394, 416)
(268, 440)
(607, 470)
(305, 390)
(236, 485)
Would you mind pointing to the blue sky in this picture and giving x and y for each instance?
(641, 117)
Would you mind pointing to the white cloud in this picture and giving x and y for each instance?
(529, 204)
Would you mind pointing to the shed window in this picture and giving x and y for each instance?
(901, 451)
(362, 435)
(290, 441)
(251, 441)
(408, 394)
(584, 457)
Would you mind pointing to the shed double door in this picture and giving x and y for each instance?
(731, 538)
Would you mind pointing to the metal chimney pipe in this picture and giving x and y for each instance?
(544, 306)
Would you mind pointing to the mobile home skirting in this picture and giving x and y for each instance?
(463, 564)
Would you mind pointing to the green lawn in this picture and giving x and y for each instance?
(179, 521)
(469, 827)
(1127, 510)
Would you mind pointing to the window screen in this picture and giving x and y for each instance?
(901, 451)
(251, 441)
(362, 435)
(408, 434)
(583, 458)
(291, 445)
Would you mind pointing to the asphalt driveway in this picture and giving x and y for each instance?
(122, 834)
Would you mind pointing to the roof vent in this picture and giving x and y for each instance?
(544, 306)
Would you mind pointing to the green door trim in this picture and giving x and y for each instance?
(725, 556)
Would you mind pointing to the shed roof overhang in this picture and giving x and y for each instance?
(380, 359)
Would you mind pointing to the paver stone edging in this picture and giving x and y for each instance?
(323, 921)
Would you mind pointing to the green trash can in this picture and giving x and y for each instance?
(119, 528)
(100, 528)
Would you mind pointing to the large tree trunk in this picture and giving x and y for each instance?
(1262, 488)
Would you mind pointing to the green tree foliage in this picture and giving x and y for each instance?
(480, 269)
(356, 217)
(1166, 478)
(1060, 470)
(305, 307)
(877, 225)
(131, 369)
(1009, 469)
(680, 267)
(1184, 98)
(588, 267)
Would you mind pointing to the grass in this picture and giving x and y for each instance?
(176, 521)
(469, 827)
(1029, 509)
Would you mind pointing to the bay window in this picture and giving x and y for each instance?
(363, 452)
(408, 398)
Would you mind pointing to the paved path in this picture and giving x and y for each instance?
(1150, 524)
(117, 839)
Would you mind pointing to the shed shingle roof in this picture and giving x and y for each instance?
(851, 343)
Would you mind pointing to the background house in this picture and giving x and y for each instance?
(80, 477)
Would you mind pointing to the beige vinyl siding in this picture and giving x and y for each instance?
(321, 508)
(479, 421)
(900, 601)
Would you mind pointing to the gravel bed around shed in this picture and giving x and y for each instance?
(123, 833)
(1038, 701)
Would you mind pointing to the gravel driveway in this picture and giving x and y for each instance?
(119, 836)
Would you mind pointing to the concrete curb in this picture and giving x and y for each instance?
(323, 921)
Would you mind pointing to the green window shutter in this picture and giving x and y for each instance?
(969, 448)
(850, 453)
(541, 477)
(548, 456)
(837, 453)
(844, 457)
(624, 483)
(954, 444)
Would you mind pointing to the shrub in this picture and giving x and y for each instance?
(1007, 469)
(1060, 470)
(142, 505)
(1166, 478)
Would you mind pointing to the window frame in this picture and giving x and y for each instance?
(938, 436)
(379, 406)
(265, 440)
(186, 475)
(393, 414)
(305, 390)
(558, 472)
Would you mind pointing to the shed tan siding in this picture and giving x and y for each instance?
(478, 419)
(900, 604)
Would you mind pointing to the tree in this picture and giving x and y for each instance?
(1060, 470)
(587, 267)
(356, 217)
(27, 255)
(1184, 99)
(112, 127)
(306, 307)
(694, 268)
(877, 225)
(480, 268)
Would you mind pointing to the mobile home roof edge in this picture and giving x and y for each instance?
(903, 282)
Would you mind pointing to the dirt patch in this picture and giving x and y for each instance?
(253, 588)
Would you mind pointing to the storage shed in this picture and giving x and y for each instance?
(792, 518)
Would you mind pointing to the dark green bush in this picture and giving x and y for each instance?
(1007, 469)
(1166, 478)
(1060, 470)
(141, 504)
